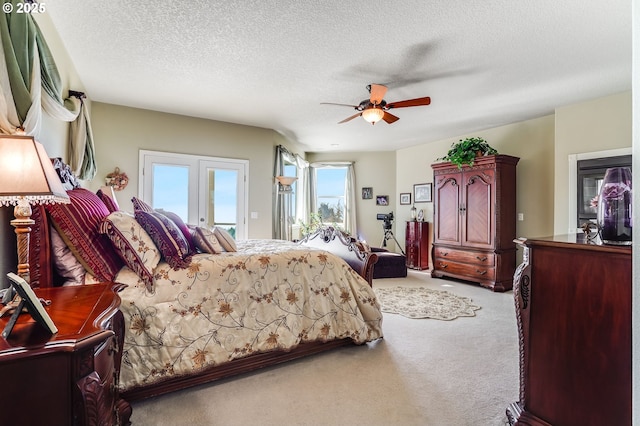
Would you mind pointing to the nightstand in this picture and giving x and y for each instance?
(70, 378)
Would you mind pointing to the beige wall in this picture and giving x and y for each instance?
(120, 132)
(598, 125)
(375, 170)
(531, 141)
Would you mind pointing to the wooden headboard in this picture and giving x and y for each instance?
(40, 259)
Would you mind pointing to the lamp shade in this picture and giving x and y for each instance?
(373, 114)
(26, 173)
(286, 180)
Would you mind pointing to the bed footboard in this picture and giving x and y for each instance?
(342, 245)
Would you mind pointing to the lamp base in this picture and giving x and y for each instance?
(22, 223)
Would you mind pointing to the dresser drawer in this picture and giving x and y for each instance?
(472, 272)
(465, 256)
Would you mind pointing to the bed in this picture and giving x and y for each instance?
(208, 316)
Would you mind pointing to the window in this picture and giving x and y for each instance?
(203, 191)
(330, 199)
(291, 169)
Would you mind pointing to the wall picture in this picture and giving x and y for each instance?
(367, 193)
(405, 198)
(382, 200)
(422, 192)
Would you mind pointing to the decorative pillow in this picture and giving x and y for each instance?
(183, 227)
(133, 244)
(67, 178)
(77, 223)
(167, 237)
(206, 241)
(225, 239)
(138, 204)
(111, 203)
(65, 263)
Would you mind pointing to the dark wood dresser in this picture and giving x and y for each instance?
(573, 306)
(417, 244)
(474, 221)
(70, 378)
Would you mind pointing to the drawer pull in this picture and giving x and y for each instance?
(444, 253)
(443, 265)
(481, 272)
(481, 259)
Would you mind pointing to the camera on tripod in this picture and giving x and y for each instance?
(388, 219)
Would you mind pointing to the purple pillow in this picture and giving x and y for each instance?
(167, 237)
(111, 204)
(183, 227)
(138, 204)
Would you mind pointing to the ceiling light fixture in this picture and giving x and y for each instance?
(373, 114)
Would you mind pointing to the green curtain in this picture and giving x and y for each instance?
(18, 32)
(28, 62)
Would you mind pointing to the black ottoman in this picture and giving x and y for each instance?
(389, 264)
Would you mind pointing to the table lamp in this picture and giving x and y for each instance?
(26, 177)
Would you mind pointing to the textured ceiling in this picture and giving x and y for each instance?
(271, 63)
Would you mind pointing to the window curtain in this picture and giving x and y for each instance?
(350, 223)
(283, 156)
(30, 82)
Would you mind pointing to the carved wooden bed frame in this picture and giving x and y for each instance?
(329, 239)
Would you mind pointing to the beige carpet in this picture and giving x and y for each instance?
(420, 302)
(430, 373)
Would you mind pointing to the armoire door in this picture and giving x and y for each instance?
(478, 209)
(447, 209)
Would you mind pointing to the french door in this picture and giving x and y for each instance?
(204, 191)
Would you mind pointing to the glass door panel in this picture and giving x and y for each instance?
(222, 202)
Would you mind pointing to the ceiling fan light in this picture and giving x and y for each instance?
(373, 114)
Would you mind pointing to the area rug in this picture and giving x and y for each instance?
(420, 302)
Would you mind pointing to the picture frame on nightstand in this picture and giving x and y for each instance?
(29, 301)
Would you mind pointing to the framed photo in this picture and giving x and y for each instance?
(31, 302)
(382, 200)
(367, 193)
(405, 198)
(422, 193)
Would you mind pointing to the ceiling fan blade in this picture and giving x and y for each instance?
(377, 93)
(350, 118)
(410, 103)
(331, 103)
(390, 118)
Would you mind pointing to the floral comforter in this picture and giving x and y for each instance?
(270, 295)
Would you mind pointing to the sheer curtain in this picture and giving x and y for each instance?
(30, 82)
(283, 156)
(350, 225)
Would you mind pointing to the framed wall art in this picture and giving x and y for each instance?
(382, 200)
(422, 193)
(367, 193)
(405, 198)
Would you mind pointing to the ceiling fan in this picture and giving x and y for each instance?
(375, 108)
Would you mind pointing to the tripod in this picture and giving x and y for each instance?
(388, 235)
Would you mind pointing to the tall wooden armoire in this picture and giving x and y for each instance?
(474, 221)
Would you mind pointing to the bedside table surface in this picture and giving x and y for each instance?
(79, 312)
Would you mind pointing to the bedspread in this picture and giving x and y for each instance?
(270, 295)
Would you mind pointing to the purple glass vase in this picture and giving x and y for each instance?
(614, 207)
